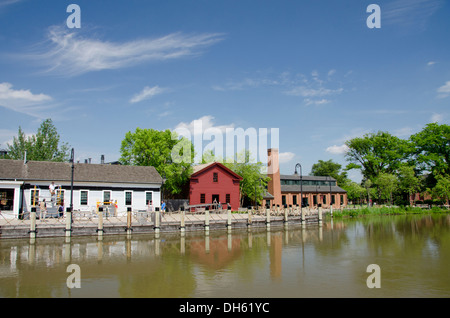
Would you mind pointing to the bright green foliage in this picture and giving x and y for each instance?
(386, 183)
(432, 148)
(251, 174)
(408, 181)
(377, 153)
(149, 147)
(44, 146)
(329, 168)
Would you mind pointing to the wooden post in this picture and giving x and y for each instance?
(320, 215)
(100, 223)
(129, 220)
(286, 212)
(157, 220)
(182, 222)
(268, 218)
(303, 216)
(33, 223)
(229, 218)
(207, 220)
(68, 228)
(249, 221)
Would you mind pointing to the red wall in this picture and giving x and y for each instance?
(203, 183)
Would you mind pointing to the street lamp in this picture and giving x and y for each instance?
(301, 186)
(72, 159)
(256, 204)
(331, 198)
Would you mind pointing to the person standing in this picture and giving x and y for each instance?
(43, 209)
(163, 206)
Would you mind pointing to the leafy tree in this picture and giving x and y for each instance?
(329, 168)
(408, 181)
(355, 192)
(251, 176)
(442, 188)
(44, 146)
(149, 147)
(377, 153)
(387, 183)
(432, 148)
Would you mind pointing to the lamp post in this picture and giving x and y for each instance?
(256, 204)
(331, 198)
(301, 186)
(72, 159)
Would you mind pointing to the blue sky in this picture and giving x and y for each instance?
(312, 69)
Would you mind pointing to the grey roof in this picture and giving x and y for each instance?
(311, 178)
(312, 189)
(83, 172)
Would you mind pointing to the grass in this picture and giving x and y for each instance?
(383, 210)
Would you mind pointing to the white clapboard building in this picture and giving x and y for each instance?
(127, 187)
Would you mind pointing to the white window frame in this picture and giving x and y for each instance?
(145, 198)
(87, 203)
(103, 195)
(125, 198)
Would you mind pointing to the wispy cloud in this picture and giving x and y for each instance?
(435, 117)
(4, 3)
(410, 13)
(316, 91)
(24, 101)
(284, 157)
(70, 54)
(337, 150)
(146, 93)
(444, 90)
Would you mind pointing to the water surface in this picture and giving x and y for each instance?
(413, 253)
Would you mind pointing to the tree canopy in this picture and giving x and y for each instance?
(44, 146)
(149, 147)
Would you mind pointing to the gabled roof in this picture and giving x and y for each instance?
(199, 169)
(83, 172)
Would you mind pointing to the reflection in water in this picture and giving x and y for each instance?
(413, 253)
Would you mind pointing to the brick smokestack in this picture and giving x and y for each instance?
(273, 172)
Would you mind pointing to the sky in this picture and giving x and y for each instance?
(314, 70)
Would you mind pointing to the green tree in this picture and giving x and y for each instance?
(251, 176)
(44, 146)
(377, 153)
(408, 181)
(386, 183)
(329, 168)
(355, 192)
(442, 188)
(432, 148)
(149, 147)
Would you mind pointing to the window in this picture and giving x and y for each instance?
(148, 198)
(294, 200)
(342, 199)
(202, 198)
(128, 196)
(283, 199)
(228, 198)
(34, 197)
(324, 199)
(106, 197)
(332, 199)
(215, 177)
(315, 199)
(84, 197)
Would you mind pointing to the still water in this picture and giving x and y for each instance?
(412, 252)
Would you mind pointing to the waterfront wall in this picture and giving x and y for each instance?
(133, 223)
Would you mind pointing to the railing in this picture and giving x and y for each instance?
(109, 221)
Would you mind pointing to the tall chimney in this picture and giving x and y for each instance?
(102, 159)
(273, 172)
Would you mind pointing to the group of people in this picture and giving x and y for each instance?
(43, 205)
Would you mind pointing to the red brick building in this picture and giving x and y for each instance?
(213, 182)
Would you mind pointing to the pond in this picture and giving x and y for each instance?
(412, 253)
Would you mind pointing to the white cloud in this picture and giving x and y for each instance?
(431, 63)
(337, 150)
(436, 118)
(146, 93)
(444, 90)
(71, 54)
(284, 157)
(24, 101)
(198, 126)
(403, 132)
(410, 13)
(316, 102)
